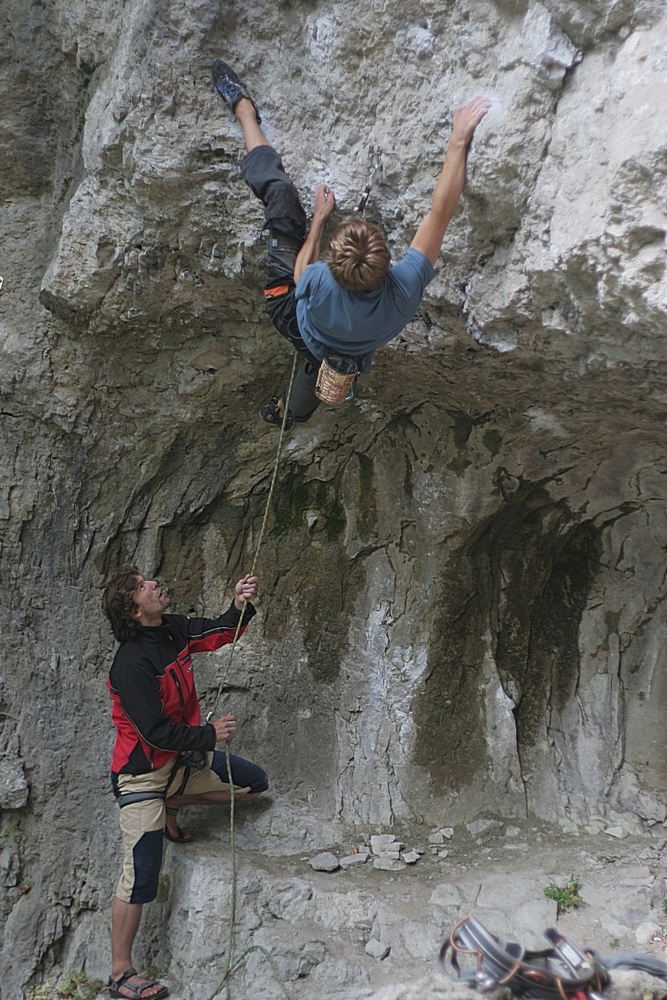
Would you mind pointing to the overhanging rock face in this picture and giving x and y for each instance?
(463, 581)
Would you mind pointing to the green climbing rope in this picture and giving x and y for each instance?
(230, 965)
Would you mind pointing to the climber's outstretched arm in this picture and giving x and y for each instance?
(431, 232)
(310, 251)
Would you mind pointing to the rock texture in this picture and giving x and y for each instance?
(360, 934)
(463, 611)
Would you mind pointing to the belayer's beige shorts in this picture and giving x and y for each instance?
(142, 814)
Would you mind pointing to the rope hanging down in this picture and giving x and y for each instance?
(376, 166)
(232, 966)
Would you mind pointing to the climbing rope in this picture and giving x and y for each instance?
(261, 532)
(232, 966)
(375, 167)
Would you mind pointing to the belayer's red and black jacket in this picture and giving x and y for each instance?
(154, 702)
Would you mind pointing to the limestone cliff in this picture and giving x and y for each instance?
(463, 588)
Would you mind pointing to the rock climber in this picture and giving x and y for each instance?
(163, 757)
(355, 301)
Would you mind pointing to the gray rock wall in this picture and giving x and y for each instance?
(463, 582)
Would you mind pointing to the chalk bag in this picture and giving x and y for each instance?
(335, 379)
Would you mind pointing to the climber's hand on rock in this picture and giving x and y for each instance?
(325, 202)
(467, 118)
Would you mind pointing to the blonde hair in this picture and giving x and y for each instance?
(358, 256)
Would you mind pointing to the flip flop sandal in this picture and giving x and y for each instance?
(270, 414)
(183, 838)
(137, 989)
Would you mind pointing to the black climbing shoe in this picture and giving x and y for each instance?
(271, 415)
(230, 88)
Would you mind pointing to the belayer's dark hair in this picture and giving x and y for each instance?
(118, 603)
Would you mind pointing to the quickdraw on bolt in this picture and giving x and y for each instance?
(374, 169)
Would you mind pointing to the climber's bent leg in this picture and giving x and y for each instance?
(303, 402)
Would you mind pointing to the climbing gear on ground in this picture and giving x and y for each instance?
(230, 87)
(137, 989)
(336, 378)
(271, 414)
(374, 168)
(182, 838)
(556, 973)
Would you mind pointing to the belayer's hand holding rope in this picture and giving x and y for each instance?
(225, 727)
(245, 590)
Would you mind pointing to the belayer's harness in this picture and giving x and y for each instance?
(193, 760)
(557, 973)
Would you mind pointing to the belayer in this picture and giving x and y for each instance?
(163, 757)
(355, 301)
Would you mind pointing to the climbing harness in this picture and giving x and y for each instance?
(192, 760)
(336, 378)
(231, 965)
(562, 972)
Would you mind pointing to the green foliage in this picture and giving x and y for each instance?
(41, 992)
(614, 945)
(69, 986)
(566, 897)
(664, 905)
(10, 828)
(163, 888)
(74, 986)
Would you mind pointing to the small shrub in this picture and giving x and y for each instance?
(566, 897)
(163, 888)
(41, 992)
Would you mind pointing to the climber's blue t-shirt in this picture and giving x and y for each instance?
(333, 319)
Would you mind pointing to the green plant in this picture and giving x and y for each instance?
(566, 897)
(664, 905)
(614, 945)
(10, 828)
(68, 987)
(163, 888)
(41, 992)
(76, 986)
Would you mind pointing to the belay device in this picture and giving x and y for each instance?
(561, 972)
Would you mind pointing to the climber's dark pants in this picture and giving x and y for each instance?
(286, 221)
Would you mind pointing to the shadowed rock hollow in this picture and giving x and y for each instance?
(463, 586)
